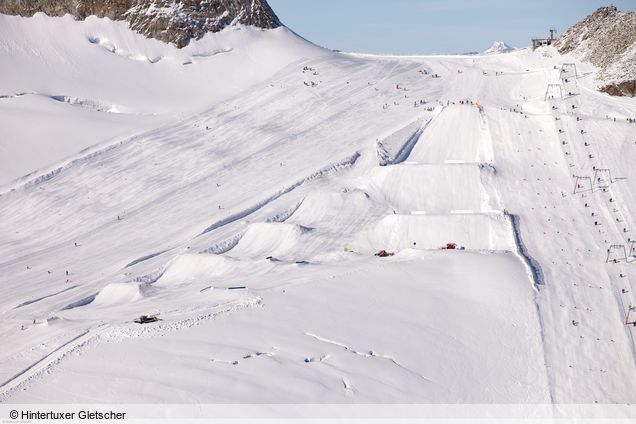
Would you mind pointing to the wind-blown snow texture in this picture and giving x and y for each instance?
(239, 189)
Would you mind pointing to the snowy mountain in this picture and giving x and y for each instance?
(299, 225)
(607, 39)
(171, 21)
(498, 47)
(86, 82)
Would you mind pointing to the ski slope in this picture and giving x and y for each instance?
(245, 212)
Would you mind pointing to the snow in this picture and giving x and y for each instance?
(498, 47)
(110, 68)
(263, 347)
(118, 293)
(243, 205)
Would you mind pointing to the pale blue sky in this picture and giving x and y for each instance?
(431, 26)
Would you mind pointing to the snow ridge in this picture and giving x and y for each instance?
(345, 163)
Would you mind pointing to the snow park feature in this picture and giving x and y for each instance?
(253, 219)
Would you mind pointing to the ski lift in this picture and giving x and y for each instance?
(630, 309)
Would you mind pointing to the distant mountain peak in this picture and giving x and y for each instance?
(498, 47)
(171, 21)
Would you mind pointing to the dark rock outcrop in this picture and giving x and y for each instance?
(172, 21)
(625, 88)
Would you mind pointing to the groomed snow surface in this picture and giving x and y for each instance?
(238, 189)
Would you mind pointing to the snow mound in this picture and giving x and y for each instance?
(270, 239)
(498, 47)
(54, 320)
(120, 293)
(89, 104)
(186, 269)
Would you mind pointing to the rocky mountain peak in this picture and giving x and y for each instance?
(172, 21)
(607, 39)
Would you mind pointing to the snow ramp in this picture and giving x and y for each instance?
(263, 239)
(202, 268)
(120, 294)
(333, 206)
(435, 188)
(458, 133)
(473, 231)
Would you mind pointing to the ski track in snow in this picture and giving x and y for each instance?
(111, 332)
(48, 361)
(369, 354)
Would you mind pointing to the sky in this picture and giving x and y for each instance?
(431, 26)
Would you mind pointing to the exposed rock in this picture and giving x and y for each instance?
(625, 88)
(607, 39)
(173, 21)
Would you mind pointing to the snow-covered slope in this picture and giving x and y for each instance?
(249, 225)
(90, 82)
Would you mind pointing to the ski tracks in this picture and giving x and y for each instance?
(371, 354)
(50, 360)
(109, 332)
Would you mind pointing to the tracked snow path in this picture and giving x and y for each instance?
(40, 366)
(581, 316)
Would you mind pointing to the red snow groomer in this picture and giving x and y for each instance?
(450, 246)
(384, 254)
